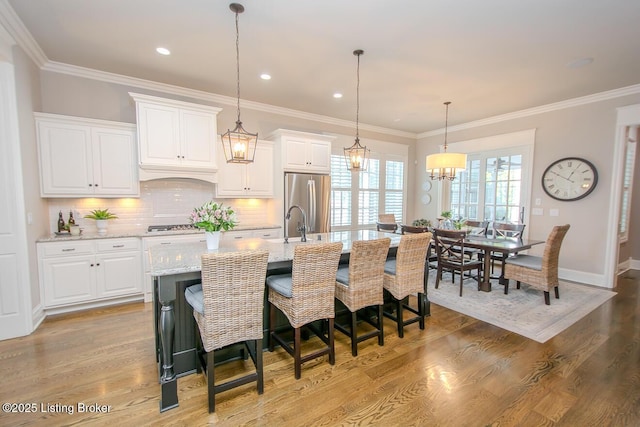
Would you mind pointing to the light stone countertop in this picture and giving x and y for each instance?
(185, 257)
(141, 232)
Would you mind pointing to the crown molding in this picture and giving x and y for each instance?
(16, 29)
(120, 79)
(569, 103)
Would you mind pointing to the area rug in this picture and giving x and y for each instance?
(522, 311)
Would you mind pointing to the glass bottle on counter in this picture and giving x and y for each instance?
(61, 227)
(71, 220)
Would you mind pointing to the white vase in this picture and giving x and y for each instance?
(101, 224)
(213, 239)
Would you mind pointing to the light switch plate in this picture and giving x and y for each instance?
(554, 212)
(537, 211)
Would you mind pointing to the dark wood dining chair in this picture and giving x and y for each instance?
(475, 228)
(450, 252)
(503, 230)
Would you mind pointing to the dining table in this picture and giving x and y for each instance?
(505, 245)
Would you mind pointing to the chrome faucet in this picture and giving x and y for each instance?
(302, 229)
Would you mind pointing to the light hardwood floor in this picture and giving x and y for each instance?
(457, 372)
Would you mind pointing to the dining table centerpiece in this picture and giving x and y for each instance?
(213, 218)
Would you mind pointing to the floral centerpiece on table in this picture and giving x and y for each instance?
(213, 217)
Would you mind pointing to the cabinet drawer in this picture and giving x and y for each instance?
(110, 245)
(267, 234)
(67, 248)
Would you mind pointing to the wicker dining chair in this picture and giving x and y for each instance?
(450, 250)
(539, 272)
(404, 275)
(359, 286)
(387, 222)
(305, 295)
(228, 309)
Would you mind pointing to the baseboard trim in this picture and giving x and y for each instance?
(37, 317)
(93, 304)
(583, 277)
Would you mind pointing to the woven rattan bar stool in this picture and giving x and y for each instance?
(359, 286)
(404, 276)
(305, 296)
(228, 307)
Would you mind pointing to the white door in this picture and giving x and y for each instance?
(15, 299)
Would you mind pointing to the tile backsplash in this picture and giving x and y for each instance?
(163, 201)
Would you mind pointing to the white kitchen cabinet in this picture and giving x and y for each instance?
(82, 157)
(303, 151)
(77, 272)
(176, 136)
(247, 180)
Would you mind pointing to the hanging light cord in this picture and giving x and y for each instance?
(238, 64)
(358, 100)
(446, 124)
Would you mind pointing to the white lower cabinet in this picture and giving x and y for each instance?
(77, 272)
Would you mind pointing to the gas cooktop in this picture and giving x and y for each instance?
(174, 227)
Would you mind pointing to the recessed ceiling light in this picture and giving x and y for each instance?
(579, 63)
(163, 51)
(337, 95)
(265, 76)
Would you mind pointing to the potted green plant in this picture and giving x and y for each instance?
(101, 216)
(422, 222)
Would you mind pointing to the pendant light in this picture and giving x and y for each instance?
(357, 156)
(445, 165)
(239, 145)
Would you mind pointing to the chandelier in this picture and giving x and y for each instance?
(239, 145)
(445, 165)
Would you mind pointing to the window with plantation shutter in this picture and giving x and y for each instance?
(357, 198)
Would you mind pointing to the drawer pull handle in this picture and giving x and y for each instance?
(69, 250)
(118, 246)
(165, 243)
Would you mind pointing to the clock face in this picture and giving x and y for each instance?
(571, 178)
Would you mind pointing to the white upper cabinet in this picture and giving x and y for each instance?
(303, 151)
(177, 137)
(247, 180)
(82, 157)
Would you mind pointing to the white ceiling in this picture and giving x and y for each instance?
(488, 57)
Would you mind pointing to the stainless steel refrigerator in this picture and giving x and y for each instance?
(312, 193)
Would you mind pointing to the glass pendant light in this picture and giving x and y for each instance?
(239, 145)
(357, 156)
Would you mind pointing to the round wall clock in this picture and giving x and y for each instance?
(568, 179)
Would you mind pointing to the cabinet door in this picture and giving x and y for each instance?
(65, 153)
(159, 135)
(320, 156)
(198, 140)
(68, 280)
(118, 274)
(231, 178)
(259, 179)
(295, 154)
(114, 162)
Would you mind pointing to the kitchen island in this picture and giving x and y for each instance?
(176, 267)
